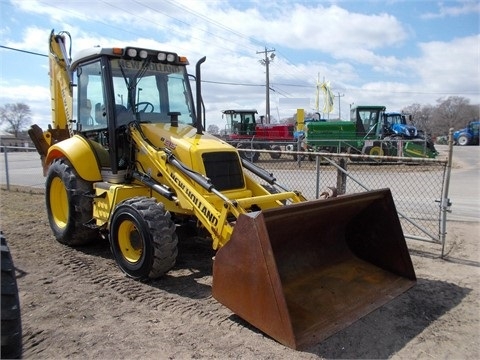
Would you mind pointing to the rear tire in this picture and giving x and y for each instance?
(296, 156)
(143, 238)
(68, 207)
(376, 151)
(252, 156)
(11, 319)
(276, 155)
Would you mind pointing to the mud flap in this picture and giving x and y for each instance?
(302, 272)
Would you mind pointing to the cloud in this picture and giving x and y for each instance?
(32, 38)
(458, 9)
(367, 55)
(450, 66)
(36, 97)
(333, 28)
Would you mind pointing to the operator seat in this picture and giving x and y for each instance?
(119, 109)
(123, 115)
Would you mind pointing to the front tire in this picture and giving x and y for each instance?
(143, 238)
(68, 206)
(462, 140)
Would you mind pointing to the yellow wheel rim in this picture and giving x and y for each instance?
(130, 242)
(59, 203)
(376, 150)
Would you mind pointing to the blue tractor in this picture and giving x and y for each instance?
(395, 126)
(468, 135)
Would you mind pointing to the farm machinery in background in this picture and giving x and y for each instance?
(370, 131)
(245, 131)
(468, 135)
(129, 161)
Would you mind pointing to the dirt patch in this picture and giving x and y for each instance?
(77, 304)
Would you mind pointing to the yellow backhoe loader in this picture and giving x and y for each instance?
(132, 163)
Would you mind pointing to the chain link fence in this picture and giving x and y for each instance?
(417, 185)
(20, 166)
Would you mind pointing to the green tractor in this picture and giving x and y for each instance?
(370, 131)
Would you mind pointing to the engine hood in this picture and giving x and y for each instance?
(406, 130)
(458, 132)
(183, 140)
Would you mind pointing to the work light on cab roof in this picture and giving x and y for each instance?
(136, 53)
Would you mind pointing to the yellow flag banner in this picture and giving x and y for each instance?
(328, 97)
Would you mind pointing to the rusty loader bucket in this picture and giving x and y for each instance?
(302, 272)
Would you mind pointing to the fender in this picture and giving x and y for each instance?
(80, 154)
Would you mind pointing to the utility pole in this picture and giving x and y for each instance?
(339, 112)
(266, 62)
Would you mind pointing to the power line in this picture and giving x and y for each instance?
(177, 19)
(211, 21)
(219, 25)
(230, 83)
(461, 92)
(23, 51)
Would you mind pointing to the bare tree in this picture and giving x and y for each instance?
(453, 112)
(421, 116)
(213, 129)
(413, 110)
(17, 116)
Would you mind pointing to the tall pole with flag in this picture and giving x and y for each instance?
(317, 97)
(328, 97)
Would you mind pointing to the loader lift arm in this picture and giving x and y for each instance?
(182, 180)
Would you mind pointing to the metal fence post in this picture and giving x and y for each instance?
(445, 201)
(317, 172)
(342, 177)
(5, 151)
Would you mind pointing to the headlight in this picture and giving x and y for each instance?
(132, 52)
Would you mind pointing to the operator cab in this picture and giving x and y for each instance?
(396, 124)
(367, 119)
(240, 122)
(118, 86)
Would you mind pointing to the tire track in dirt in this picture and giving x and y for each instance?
(69, 291)
(168, 299)
(177, 294)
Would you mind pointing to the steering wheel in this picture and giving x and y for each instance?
(144, 105)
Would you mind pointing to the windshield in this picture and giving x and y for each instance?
(395, 119)
(150, 91)
(368, 118)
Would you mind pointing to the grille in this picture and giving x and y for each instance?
(224, 170)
